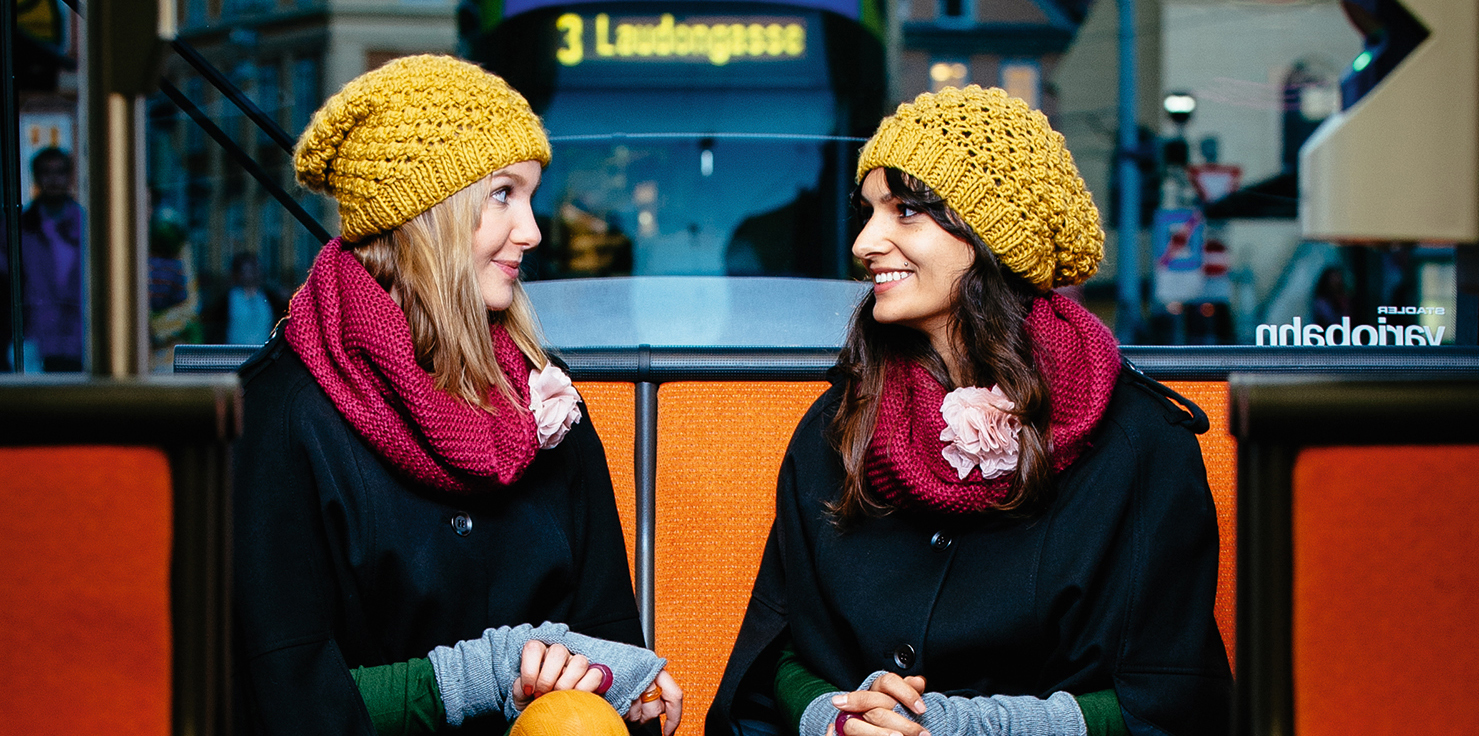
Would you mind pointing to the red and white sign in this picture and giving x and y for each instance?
(1215, 181)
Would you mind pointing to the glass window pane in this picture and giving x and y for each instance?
(1228, 100)
(1228, 95)
(51, 254)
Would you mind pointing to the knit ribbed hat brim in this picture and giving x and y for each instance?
(399, 139)
(1005, 171)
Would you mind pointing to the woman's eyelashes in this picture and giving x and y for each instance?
(899, 210)
(502, 194)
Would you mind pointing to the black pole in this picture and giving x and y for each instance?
(644, 456)
(220, 82)
(10, 159)
(246, 161)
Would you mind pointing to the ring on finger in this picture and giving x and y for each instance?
(606, 678)
(842, 719)
(653, 693)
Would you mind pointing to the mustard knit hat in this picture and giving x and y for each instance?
(1000, 166)
(401, 138)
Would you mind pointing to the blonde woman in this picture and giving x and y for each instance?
(418, 490)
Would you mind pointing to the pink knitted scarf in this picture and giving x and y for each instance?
(1075, 352)
(356, 342)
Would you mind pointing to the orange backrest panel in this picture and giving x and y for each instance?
(613, 408)
(85, 537)
(1386, 589)
(719, 449)
(1220, 453)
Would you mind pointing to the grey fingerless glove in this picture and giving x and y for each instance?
(476, 676)
(819, 712)
(1002, 715)
(997, 715)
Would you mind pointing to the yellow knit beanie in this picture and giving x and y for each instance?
(999, 165)
(401, 138)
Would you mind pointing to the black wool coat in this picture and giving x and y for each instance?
(1111, 586)
(341, 562)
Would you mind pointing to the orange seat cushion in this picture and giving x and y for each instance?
(613, 409)
(85, 536)
(1386, 590)
(1220, 454)
(719, 448)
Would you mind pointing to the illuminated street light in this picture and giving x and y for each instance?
(947, 74)
(1179, 105)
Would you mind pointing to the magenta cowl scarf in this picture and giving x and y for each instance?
(1075, 352)
(357, 344)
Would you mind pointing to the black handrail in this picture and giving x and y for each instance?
(245, 160)
(232, 93)
(263, 121)
(1192, 363)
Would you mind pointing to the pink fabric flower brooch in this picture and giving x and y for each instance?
(553, 400)
(980, 432)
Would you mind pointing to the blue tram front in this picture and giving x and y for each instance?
(692, 138)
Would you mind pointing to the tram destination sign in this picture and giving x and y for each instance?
(716, 40)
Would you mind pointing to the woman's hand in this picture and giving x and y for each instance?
(874, 708)
(669, 702)
(545, 669)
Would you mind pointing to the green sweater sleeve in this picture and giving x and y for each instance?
(402, 698)
(1102, 713)
(796, 686)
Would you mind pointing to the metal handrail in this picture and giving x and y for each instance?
(262, 120)
(244, 160)
(647, 364)
(234, 94)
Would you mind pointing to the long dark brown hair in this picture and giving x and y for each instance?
(988, 323)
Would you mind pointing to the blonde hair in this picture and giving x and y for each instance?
(426, 265)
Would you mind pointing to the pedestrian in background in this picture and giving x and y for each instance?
(52, 252)
(247, 312)
(174, 301)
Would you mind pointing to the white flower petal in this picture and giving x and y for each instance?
(979, 431)
(555, 404)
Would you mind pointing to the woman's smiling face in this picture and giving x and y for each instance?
(914, 263)
(507, 230)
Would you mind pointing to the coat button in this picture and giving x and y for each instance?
(462, 524)
(904, 656)
(940, 542)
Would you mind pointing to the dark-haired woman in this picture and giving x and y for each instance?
(989, 524)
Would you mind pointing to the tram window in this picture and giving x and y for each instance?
(48, 260)
(693, 207)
